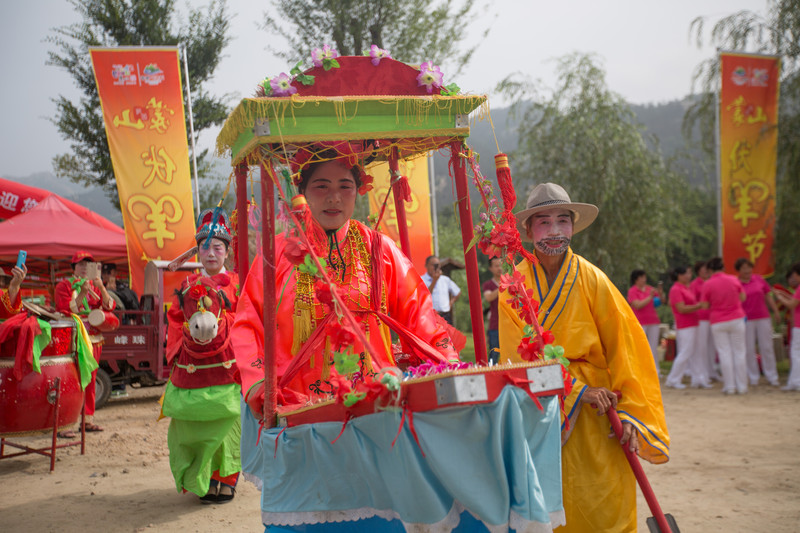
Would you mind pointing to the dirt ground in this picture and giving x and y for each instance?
(734, 467)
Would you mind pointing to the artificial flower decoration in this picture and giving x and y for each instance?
(198, 291)
(282, 85)
(377, 54)
(227, 364)
(366, 183)
(295, 251)
(430, 76)
(191, 369)
(325, 57)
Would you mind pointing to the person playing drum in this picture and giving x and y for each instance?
(80, 295)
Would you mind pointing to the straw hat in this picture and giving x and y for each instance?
(549, 195)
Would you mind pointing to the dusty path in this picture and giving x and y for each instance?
(735, 467)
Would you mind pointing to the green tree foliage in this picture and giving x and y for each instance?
(412, 30)
(110, 23)
(777, 33)
(585, 138)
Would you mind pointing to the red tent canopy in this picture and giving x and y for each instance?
(52, 229)
(17, 199)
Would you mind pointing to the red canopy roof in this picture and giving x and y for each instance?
(16, 199)
(53, 229)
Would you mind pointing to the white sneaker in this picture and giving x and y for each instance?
(675, 385)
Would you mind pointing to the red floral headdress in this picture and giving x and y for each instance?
(350, 153)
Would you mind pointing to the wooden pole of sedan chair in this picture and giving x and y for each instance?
(243, 252)
(268, 251)
(399, 203)
(470, 256)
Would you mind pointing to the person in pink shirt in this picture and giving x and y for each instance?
(758, 326)
(793, 303)
(643, 298)
(684, 308)
(705, 342)
(724, 295)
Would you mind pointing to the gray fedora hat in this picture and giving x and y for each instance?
(549, 195)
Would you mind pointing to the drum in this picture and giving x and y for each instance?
(103, 320)
(28, 405)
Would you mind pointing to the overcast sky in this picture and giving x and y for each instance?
(644, 46)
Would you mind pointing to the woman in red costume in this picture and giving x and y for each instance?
(10, 301)
(378, 283)
(79, 295)
(202, 396)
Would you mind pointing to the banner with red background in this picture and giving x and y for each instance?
(418, 210)
(748, 134)
(142, 101)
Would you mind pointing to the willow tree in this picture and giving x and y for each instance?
(110, 23)
(584, 137)
(776, 33)
(412, 30)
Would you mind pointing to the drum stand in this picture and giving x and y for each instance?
(54, 397)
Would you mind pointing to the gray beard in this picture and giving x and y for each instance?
(541, 246)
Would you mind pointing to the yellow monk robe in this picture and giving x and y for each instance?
(607, 348)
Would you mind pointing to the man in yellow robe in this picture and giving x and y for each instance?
(608, 352)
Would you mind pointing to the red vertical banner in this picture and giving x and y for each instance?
(142, 102)
(418, 210)
(748, 139)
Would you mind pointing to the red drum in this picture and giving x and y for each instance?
(29, 405)
(103, 320)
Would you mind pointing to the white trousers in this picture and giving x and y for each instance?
(653, 332)
(729, 340)
(688, 358)
(706, 351)
(794, 373)
(761, 331)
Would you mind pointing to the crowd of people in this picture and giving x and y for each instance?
(724, 324)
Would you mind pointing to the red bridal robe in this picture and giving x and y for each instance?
(404, 298)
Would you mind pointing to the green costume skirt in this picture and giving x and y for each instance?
(203, 435)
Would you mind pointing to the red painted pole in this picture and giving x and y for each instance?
(268, 247)
(399, 203)
(243, 252)
(638, 471)
(470, 256)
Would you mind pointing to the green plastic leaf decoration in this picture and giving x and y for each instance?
(267, 87)
(346, 363)
(474, 241)
(352, 398)
(296, 70)
(527, 331)
(390, 381)
(451, 89)
(329, 63)
(305, 79)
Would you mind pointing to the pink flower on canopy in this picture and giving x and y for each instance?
(377, 54)
(319, 55)
(430, 76)
(282, 85)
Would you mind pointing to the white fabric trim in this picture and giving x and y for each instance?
(446, 525)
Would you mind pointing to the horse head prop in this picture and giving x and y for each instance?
(204, 304)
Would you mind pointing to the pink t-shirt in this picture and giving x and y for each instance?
(755, 307)
(721, 291)
(697, 288)
(681, 293)
(797, 309)
(647, 314)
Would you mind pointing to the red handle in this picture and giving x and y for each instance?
(638, 471)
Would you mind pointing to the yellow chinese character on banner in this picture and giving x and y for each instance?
(163, 168)
(742, 111)
(753, 245)
(159, 122)
(740, 157)
(743, 201)
(125, 121)
(157, 217)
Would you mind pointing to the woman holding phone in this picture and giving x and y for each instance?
(10, 301)
(79, 294)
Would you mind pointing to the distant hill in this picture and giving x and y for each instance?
(661, 120)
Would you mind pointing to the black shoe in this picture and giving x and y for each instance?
(225, 498)
(210, 497)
